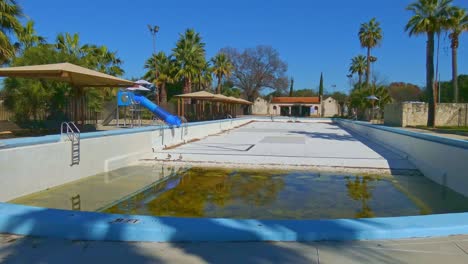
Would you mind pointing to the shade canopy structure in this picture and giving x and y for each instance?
(207, 96)
(137, 88)
(143, 82)
(222, 104)
(76, 75)
(201, 95)
(372, 97)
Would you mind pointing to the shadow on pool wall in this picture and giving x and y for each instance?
(78, 226)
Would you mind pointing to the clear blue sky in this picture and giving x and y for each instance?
(311, 36)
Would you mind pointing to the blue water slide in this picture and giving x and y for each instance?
(158, 111)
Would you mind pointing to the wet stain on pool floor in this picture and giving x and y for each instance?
(269, 194)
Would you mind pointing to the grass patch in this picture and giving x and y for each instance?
(447, 129)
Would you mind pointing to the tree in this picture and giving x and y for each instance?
(10, 13)
(321, 85)
(447, 90)
(291, 88)
(256, 69)
(321, 94)
(204, 77)
(69, 44)
(370, 36)
(28, 37)
(359, 66)
(358, 98)
(401, 92)
(189, 55)
(166, 71)
(228, 89)
(457, 23)
(222, 68)
(304, 93)
(28, 97)
(428, 17)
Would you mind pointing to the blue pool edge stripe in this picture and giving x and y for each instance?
(77, 225)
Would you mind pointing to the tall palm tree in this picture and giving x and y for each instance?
(189, 54)
(166, 71)
(28, 36)
(428, 18)
(10, 12)
(70, 44)
(222, 67)
(457, 23)
(205, 77)
(358, 65)
(102, 59)
(370, 35)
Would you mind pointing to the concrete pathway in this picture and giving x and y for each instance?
(321, 144)
(453, 250)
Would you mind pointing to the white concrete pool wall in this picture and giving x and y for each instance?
(31, 165)
(35, 164)
(443, 160)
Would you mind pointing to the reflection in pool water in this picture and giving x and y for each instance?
(269, 194)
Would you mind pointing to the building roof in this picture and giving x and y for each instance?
(295, 100)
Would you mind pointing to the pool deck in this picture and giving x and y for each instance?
(17, 249)
(319, 144)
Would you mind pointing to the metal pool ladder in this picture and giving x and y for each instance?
(73, 134)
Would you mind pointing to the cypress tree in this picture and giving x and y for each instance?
(321, 94)
(291, 88)
(321, 85)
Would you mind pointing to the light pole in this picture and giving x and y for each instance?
(153, 30)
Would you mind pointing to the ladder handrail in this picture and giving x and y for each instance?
(73, 132)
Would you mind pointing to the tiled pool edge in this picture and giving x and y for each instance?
(74, 225)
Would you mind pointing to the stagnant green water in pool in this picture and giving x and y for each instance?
(269, 194)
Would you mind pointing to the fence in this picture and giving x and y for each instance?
(68, 112)
(5, 115)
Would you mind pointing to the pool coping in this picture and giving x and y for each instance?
(77, 225)
(459, 143)
(28, 141)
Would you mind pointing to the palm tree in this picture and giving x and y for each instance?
(189, 54)
(205, 76)
(222, 67)
(10, 12)
(102, 59)
(370, 35)
(428, 18)
(165, 74)
(69, 44)
(28, 36)
(457, 23)
(359, 66)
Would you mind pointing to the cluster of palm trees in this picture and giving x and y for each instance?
(21, 45)
(370, 35)
(9, 25)
(432, 17)
(187, 64)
